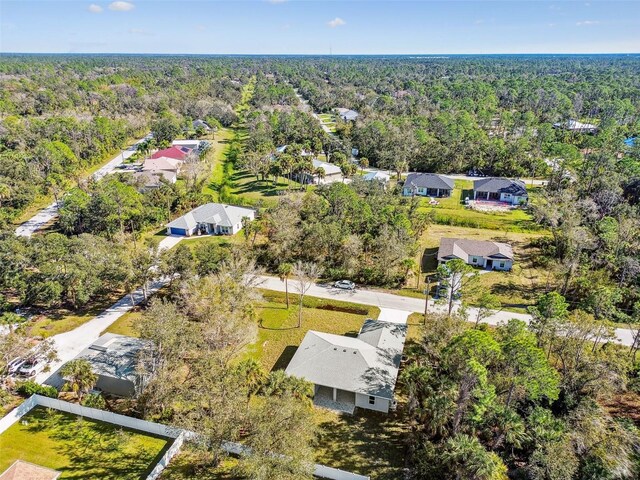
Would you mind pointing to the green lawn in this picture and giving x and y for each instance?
(59, 321)
(452, 211)
(220, 147)
(80, 448)
(126, 324)
(516, 289)
(278, 336)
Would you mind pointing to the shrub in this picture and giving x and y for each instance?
(30, 387)
(94, 400)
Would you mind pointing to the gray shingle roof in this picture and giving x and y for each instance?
(500, 185)
(462, 248)
(429, 180)
(218, 213)
(367, 364)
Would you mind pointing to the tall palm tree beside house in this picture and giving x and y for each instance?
(5, 192)
(285, 270)
(79, 376)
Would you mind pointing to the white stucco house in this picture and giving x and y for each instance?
(350, 372)
(498, 189)
(478, 253)
(211, 219)
(332, 173)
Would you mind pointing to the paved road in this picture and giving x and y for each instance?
(69, 344)
(397, 302)
(48, 214)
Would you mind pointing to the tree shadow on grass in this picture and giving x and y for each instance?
(97, 449)
(285, 357)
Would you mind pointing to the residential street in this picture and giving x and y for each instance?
(391, 301)
(69, 344)
(46, 215)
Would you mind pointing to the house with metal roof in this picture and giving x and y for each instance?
(498, 189)
(478, 253)
(576, 126)
(115, 359)
(211, 219)
(178, 152)
(427, 185)
(350, 372)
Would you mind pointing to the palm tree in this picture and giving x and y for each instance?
(320, 173)
(284, 271)
(79, 376)
(253, 376)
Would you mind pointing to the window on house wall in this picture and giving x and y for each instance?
(501, 264)
(372, 400)
(474, 260)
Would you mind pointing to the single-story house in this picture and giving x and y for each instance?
(352, 372)
(347, 115)
(155, 178)
(162, 164)
(115, 360)
(201, 123)
(427, 185)
(190, 144)
(211, 219)
(478, 253)
(576, 126)
(378, 176)
(21, 470)
(499, 189)
(332, 173)
(177, 152)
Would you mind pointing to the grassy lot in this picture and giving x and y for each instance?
(516, 289)
(253, 191)
(126, 324)
(278, 336)
(79, 447)
(62, 320)
(452, 211)
(329, 120)
(220, 147)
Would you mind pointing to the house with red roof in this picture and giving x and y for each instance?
(177, 152)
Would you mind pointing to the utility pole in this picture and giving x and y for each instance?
(426, 298)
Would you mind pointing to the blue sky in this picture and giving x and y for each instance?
(318, 27)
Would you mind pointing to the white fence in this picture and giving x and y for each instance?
(177, 434)
(121, 420)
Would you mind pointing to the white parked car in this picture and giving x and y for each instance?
(14, 365)
(32, 367)
(345, 285)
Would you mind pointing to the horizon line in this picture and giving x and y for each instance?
(317, 54)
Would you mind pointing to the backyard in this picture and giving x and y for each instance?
(80, 447)
(452, 211)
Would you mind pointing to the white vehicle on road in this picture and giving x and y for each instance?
(32, 367)
(345, 285)
(14, 365)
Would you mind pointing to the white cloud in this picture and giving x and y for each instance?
(336, 22)
(93, 8)
(587, 23)
(140, 31)
(121, 6)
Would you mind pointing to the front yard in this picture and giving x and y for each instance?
(516, 289)
(80, 448)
